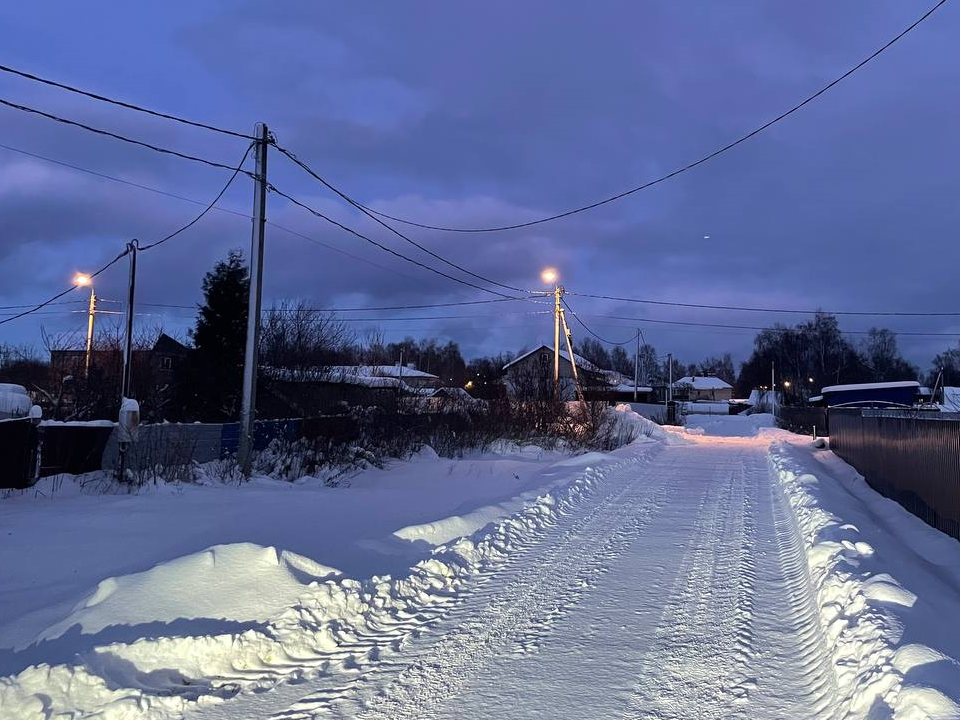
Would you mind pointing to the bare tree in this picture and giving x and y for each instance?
(295, 336)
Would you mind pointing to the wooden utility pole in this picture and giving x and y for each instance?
(248, 407)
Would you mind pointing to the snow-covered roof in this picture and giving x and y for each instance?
(454, 393)
(582, 362)
(871, 386)
(951, 399)
(14, 400)
(339, 375)
(389, 371)
(708, 382)
(814, 398)
(628, 387)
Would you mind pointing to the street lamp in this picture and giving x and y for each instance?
(549, 275)
(84, 280)
(786, 383)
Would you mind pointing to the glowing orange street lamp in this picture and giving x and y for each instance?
(84, 280)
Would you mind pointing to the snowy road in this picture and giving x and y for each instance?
(691, 574)
(678, 590)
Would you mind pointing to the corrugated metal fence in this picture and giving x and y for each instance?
(803, 420)
(910, 456)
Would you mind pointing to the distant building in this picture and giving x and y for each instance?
(902, 393)
(408, 374)
(153, 379)
(531, 375)
(697, 388)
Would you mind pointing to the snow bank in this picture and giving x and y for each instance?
(311, 624)
(224, 582)
(729, 425)
(626, 417)
(886, 586)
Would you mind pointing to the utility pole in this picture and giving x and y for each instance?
(668, 394)
(636, 368)
(248, 406)
(91, 313)
(773, 389)
(557, 296)
(573, 360)
(132, 248)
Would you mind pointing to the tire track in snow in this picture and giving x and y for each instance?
(796, 652)
(699, 665)
(502, 617)
(741, 634)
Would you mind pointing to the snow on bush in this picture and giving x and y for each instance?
(872, 621)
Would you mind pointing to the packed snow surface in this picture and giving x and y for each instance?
(726, 570)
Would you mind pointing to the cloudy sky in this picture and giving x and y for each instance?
(492, 113)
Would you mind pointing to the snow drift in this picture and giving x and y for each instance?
(249, 617)
(885, 584)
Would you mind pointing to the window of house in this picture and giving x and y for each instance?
(166, 363)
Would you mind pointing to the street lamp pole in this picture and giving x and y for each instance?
(84, 280)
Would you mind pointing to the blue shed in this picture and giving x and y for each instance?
(905, 392)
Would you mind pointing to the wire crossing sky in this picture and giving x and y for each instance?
(469, 116)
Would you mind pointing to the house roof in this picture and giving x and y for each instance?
(582, 362)
(709, 382)
(871, 386)
(166, 344)
(387, 371)
(456, 393)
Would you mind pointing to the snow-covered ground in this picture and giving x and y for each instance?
(724, 570)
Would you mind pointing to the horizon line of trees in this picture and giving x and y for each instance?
(294, 336)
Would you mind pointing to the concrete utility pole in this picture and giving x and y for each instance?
(773, 389)
(573, 360)
(132, 248)
(248, 406)
(636, 367)
(91, 314)
(557, 297)
(668, 395)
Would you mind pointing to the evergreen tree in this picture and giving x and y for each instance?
(211, 382)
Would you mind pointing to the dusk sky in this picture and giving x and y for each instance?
(494, 113)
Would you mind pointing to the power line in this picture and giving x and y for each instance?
(678, 171)
(373, 216)
(115, 136)
(62, 302)
(356, 309)
(114, 178)
(383, 247)
(59, 295)
(126, 250)
(290, 231)
(237, 170)
(585, 327)
(760, 327)
(121, 103)
(440, 317)
(739, 308)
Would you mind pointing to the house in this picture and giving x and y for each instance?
(882, 394)
(407, 374)
(708, 388)
(153, 378)
(289, 392)
(531, 375)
